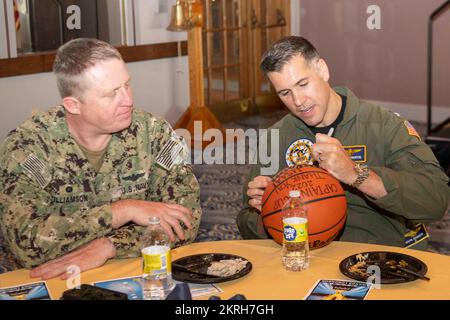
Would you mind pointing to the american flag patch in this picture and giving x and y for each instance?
(411, 130)
(35, 169)
(171, 153)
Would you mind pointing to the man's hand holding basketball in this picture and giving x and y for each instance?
(256, 189)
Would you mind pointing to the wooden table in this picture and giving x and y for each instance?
(268, 279)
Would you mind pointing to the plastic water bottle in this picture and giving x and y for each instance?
(295, 233)
(157, 275)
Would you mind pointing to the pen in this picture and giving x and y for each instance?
(330, 132)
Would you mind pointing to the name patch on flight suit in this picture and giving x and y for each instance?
(358, 153)
(299, 153)
(416, 235)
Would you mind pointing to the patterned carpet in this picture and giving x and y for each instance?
(221, 197)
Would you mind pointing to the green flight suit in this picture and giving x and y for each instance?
(416, 185)
(53, 201)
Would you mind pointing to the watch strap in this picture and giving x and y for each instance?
(363, 173)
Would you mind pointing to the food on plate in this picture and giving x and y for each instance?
(227, 267)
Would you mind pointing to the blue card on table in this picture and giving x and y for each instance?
(339, 290)
(130, 286)
(31, 291)
(133, 288)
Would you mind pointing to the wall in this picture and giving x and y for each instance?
(152, 18)
(159, 86)
(388, 64)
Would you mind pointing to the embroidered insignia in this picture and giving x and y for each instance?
(299, 153)
(173, 153)
(35, 169)
(134, 177)
(416, 235)
(358, 153)
(411, 130)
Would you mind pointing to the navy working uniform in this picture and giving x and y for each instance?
(53, 200)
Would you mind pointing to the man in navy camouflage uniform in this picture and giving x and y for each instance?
(79, 182)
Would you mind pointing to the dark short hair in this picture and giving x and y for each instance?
(284, 50)
(74, 58)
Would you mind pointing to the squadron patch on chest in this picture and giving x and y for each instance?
(299, 153)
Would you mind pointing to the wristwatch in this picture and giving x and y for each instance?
(363, 173)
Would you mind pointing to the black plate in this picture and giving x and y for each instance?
(380, 258)
(200, 263)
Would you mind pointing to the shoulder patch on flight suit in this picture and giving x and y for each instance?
(411, 130)
(299, 153)
(358, 153)
(36, 169)
(174, 152)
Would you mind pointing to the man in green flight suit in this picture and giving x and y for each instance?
(79, 182)
(392, 180)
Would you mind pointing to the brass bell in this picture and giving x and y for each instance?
(178, 20)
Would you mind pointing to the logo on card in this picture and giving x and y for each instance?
(299, 153)
(357, 153)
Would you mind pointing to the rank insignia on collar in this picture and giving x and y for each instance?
(299, 153)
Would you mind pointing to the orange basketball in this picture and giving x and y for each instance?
(322, 194)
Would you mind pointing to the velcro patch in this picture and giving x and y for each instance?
(411, 130)
(35, 168)
(299, 153)
(174, 152)
(416, 235)
(357, 153)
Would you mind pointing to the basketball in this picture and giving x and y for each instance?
(322, 195)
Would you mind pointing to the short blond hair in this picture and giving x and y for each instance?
(74, 58)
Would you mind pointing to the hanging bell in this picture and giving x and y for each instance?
(178, 21)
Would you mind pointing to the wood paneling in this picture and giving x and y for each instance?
(43, 62)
